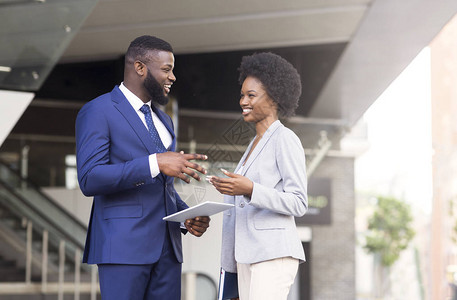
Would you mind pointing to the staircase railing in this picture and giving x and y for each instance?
(39, 206)
(57, 227)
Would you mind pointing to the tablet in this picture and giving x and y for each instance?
(207, 208)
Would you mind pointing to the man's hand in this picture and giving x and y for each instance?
(178, 165)
(198, 225)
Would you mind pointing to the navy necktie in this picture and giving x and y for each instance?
(146, 110)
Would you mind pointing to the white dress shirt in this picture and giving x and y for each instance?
(164, 134)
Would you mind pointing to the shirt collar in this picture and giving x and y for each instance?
(136, 102)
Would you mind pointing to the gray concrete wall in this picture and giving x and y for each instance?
(332, 256)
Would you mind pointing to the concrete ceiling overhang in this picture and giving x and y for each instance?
(199, 26)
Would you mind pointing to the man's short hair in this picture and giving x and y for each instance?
(141, 46)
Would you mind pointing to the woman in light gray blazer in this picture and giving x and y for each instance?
(268, 187)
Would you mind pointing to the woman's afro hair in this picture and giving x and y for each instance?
(279, 78)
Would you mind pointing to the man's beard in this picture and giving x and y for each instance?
(155, 90)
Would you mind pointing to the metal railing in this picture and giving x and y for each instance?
(37, 206)
(57, 228)
(59, 287)
(42, 217)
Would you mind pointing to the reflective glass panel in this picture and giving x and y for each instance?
(33, 36)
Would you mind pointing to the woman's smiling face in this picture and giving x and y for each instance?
(256, 103)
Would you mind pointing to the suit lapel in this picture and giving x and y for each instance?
(240, 163)
(258, 148)
(124, 107)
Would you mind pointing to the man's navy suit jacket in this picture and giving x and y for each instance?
(113, 146)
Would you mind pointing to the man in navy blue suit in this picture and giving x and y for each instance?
(127, 161)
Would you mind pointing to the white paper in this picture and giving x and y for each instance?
(207, 208)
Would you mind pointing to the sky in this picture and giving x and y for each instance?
(398, 160)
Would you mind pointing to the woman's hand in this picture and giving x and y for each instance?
(234, 185)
